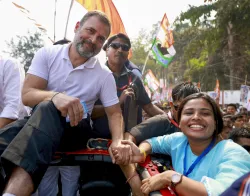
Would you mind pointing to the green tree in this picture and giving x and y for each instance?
(233, 19)
(221, 44)
(23, 48)
(211, 42)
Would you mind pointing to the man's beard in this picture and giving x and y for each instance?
(84, 52)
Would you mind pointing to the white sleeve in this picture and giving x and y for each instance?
(108, 95)
(12, 84)
(39, 65)
(234, 164)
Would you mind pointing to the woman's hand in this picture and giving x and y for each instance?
(123, 152)
(157, 182)
(136, 155)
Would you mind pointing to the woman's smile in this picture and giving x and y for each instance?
(197, 120)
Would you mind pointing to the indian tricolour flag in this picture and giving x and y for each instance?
(163, 49)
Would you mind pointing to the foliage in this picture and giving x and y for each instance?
(211, 42)
(198, 16)
(206, 56)
(23, 48)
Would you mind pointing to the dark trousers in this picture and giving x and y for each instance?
(31, 143)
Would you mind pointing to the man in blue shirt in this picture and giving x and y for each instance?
(117, 48)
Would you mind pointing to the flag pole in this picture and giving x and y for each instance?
(66, 27)
(55, 22)
(145, 63)
(155, 34)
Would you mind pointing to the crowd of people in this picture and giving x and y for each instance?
(74, 98)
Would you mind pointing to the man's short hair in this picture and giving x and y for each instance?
(102, 17)
(243, 109)
(227, 120)
(236, 116)
(233, 105)
(236, 133)
(114, 37)
(184, 89)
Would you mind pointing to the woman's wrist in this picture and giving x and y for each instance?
(168, 177)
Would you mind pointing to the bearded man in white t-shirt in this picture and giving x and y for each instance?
(59, 81)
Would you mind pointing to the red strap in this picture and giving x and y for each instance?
(125, 86)
(173, 121)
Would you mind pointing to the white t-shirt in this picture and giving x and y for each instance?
(88, 82)
(11, 82)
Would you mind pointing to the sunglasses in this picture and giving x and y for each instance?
(124, 47)
(176, 107)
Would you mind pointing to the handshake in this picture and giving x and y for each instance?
(126, 152)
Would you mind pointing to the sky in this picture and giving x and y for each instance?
(135, 14)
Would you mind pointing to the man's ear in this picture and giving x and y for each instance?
(107, 51)
(77, 26)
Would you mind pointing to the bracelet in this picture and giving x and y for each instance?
(54, 96)
(135, 174)
(144, 154)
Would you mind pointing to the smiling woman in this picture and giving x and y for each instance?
(197, 120)
(203, 164)
(200, 120)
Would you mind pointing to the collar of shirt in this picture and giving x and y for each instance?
(90, 63)
(124, 71)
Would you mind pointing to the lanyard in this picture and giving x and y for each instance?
(198, 159)
(125, 86)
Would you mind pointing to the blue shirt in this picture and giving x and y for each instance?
(100, 125)
(224, 163)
